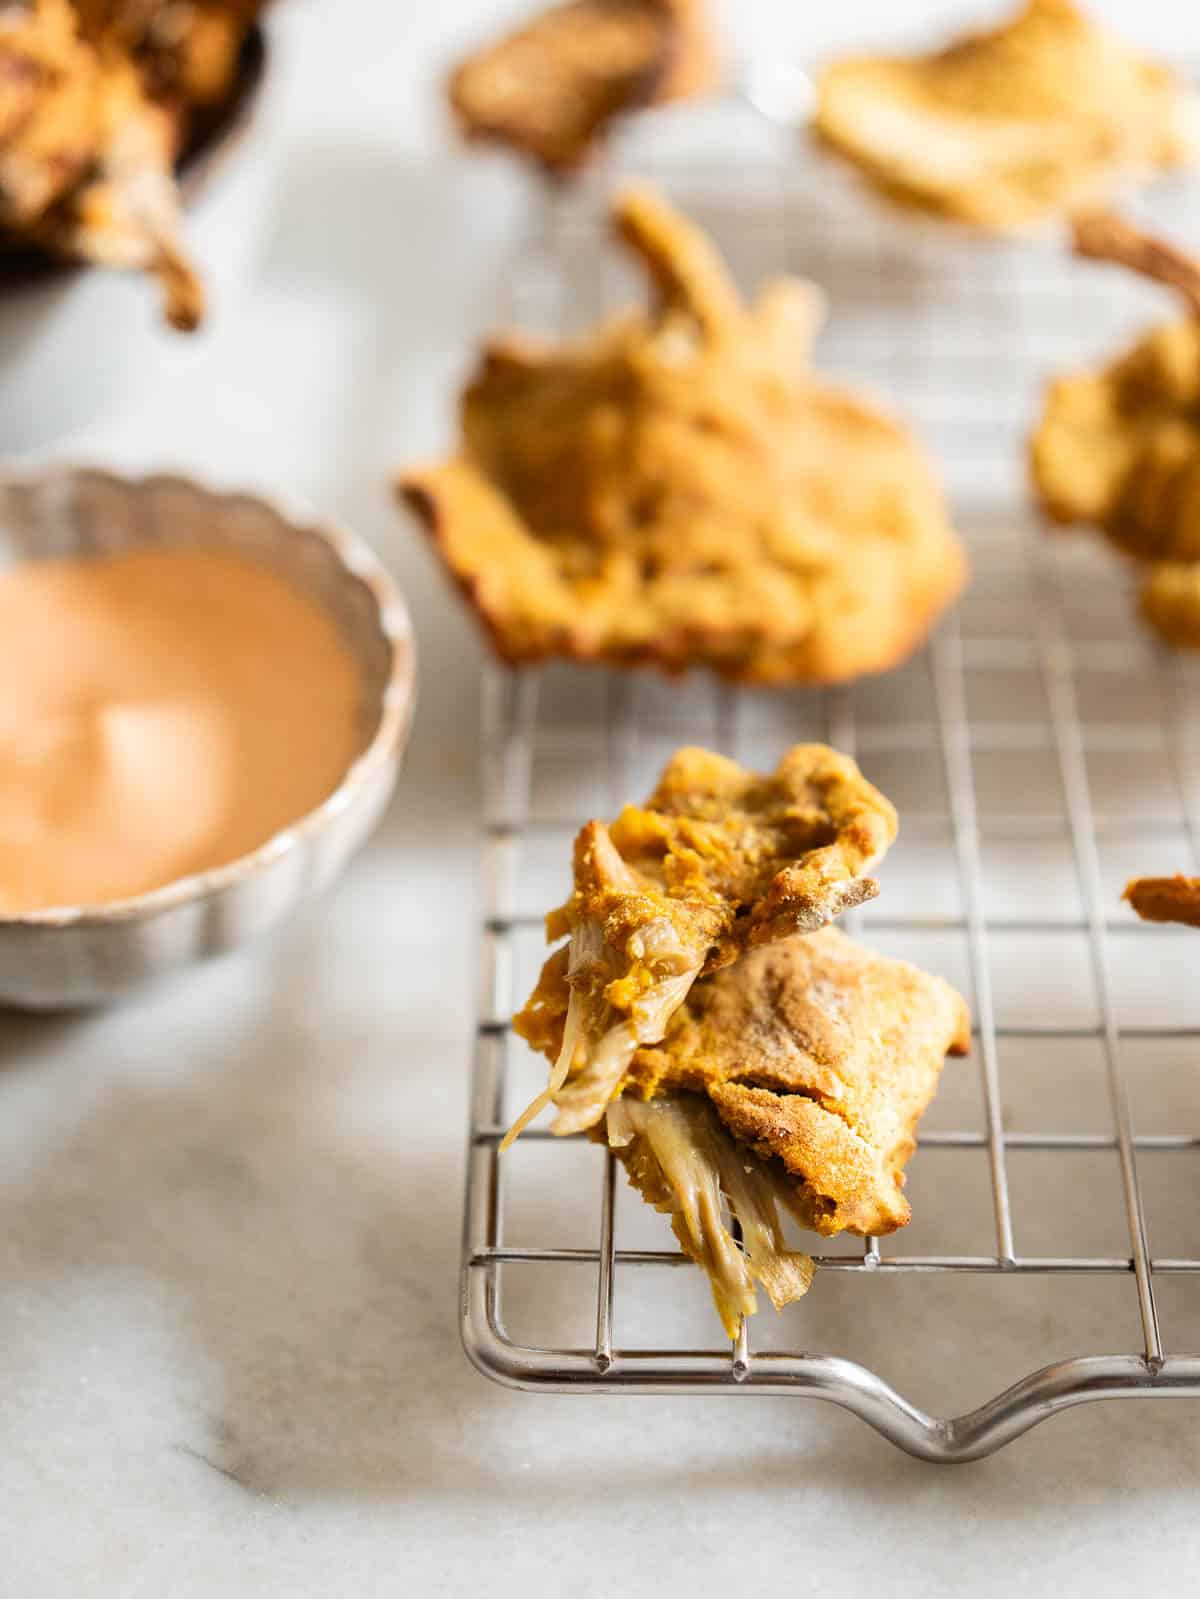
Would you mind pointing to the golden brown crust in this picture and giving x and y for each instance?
(507, 578)
(1170, 602)
(553, 88)
(719, 860)
(185, 50)
(1165, 899)
(821, 1056)
(1119, 447)
(785, 852)
(679, 490)
(86, 156)
(50, 88)
(1044, 114)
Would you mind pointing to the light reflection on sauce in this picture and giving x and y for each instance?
(161, 712)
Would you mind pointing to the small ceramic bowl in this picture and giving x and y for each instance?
(83, 955)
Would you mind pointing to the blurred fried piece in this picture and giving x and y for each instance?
(1120, 447)
(822, 1055)
(1165, 899)
(1041, 115)
(125, 213)
(186, 50)
(51, 95)
(553, 88)
(677, 489)
(1170, 602)
(86, 156)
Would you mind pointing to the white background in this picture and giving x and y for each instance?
(229, 1211)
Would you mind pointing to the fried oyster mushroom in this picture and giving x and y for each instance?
(125, 213)
(186, 50)
(50, 89)
(1119, 448)
(792, 1080)
(553, 89)
(1170, 602)
(1046, 113)
(718, 860)
(678, 489)
(1165, 899)
(85, 156)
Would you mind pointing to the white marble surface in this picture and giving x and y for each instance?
(229, 1211)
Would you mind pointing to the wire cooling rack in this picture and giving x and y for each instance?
(1040, 750)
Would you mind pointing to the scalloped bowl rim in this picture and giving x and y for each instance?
(356, 557)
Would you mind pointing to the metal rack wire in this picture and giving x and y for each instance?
(1032, 670)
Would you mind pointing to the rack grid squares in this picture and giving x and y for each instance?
(1040, 750)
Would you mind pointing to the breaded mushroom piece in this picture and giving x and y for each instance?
(553, 89)
(792, 1079)
(185, 50)
(86, 157)
(1170, 602)
(1119, 448)
(678, 489)
(1048, 112)
(125, 213)
(1165, 899)
(718, 860)
(50, 94)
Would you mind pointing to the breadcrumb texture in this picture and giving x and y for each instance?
(552, 89)
(1046, 113)
(717, 861)
(677, 489)
(819, 1056)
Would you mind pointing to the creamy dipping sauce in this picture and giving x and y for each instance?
(162, 712)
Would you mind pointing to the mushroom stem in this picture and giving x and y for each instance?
(1101, 236)
(684, 267)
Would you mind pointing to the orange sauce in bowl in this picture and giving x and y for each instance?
(162, 712)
